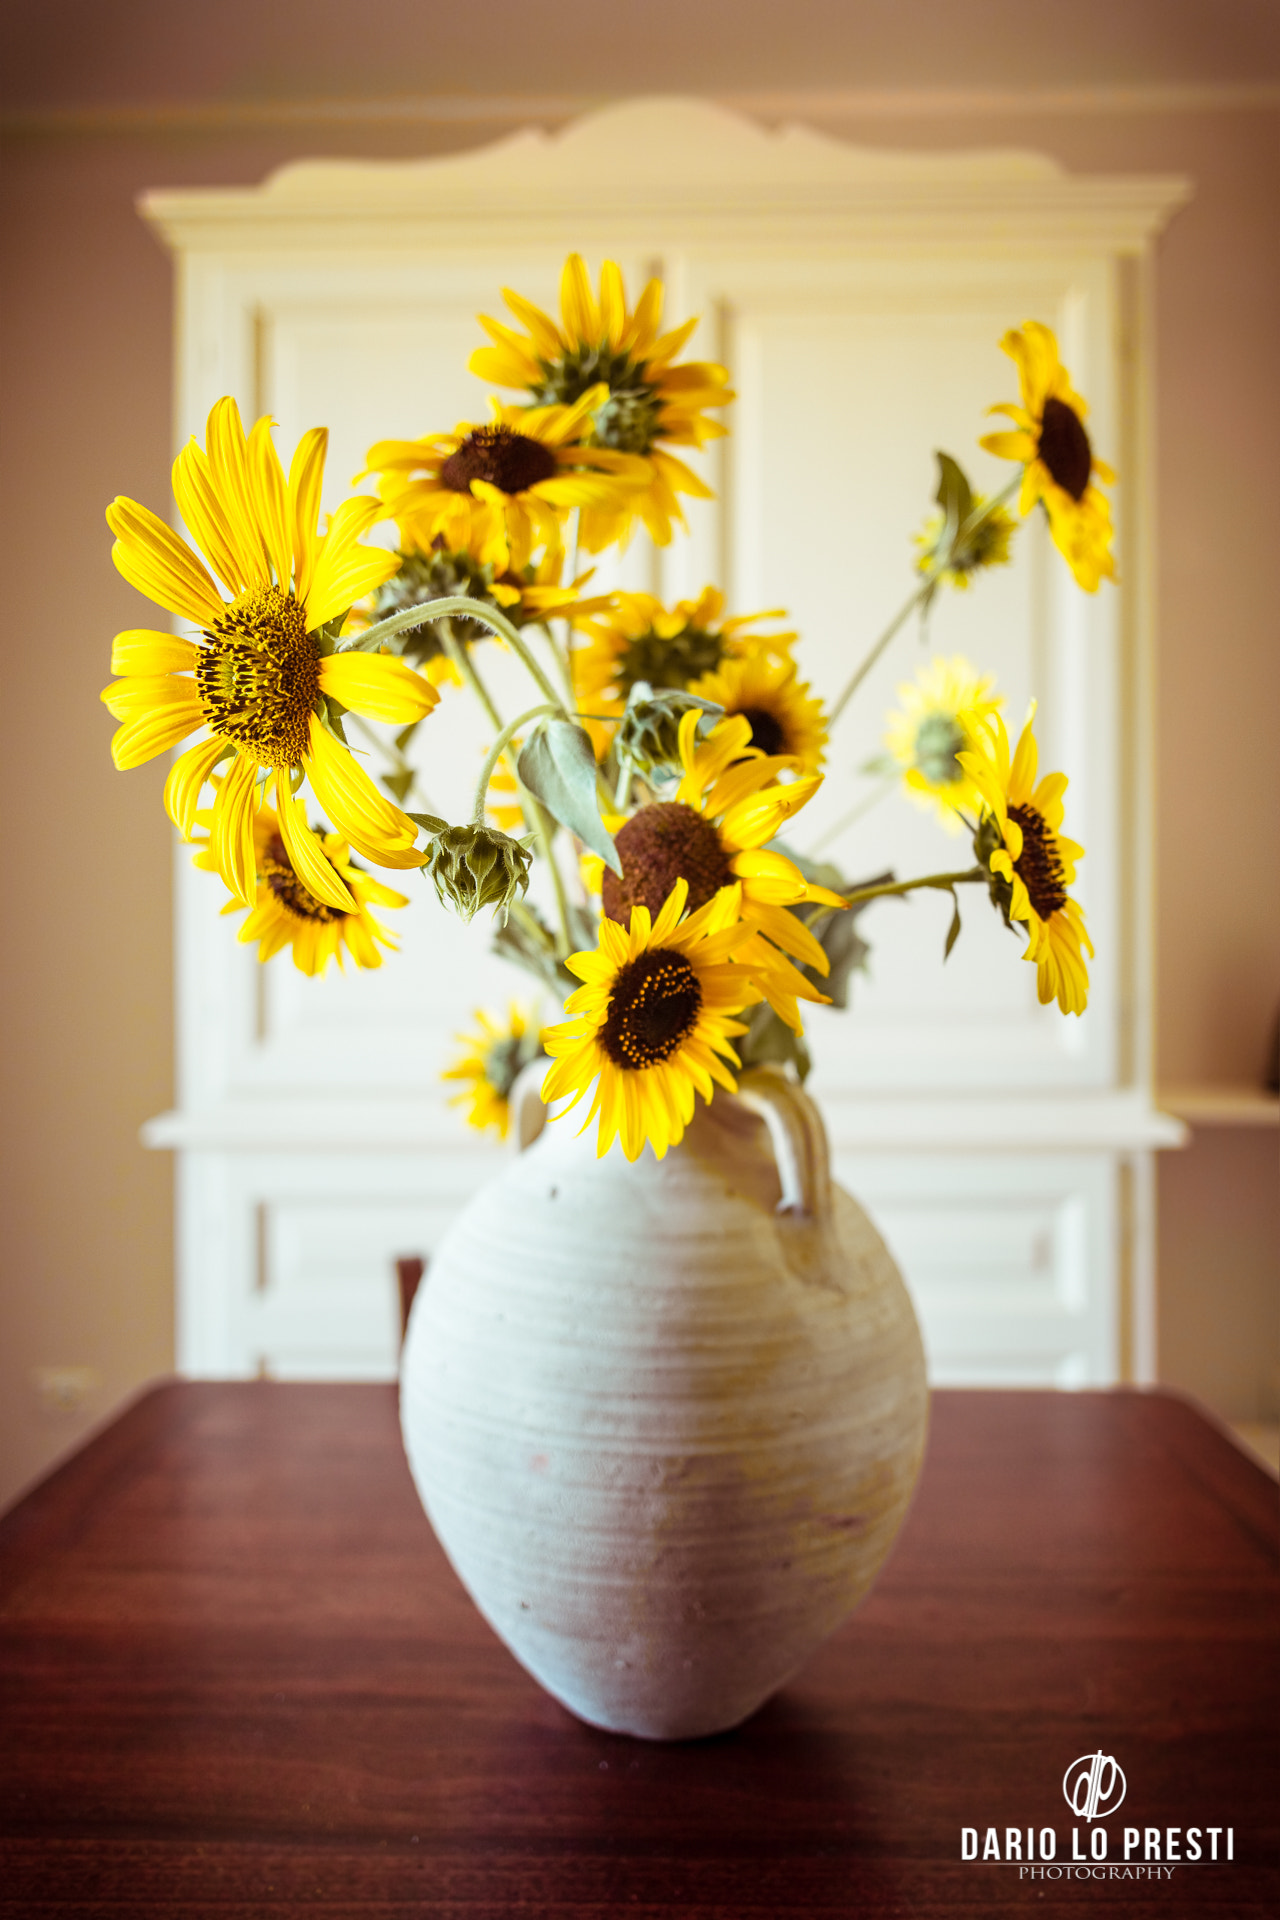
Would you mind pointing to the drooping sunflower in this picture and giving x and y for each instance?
(638, 638)
(987, 545)
(491, 1065)
(648, 402)
(262, 668)
(785, 718)
(714, 836)
(502, 490)
(287, 913)
(653, 1023)
(941, 710)
(1058, 461)
(1029, 862)
(530, 597)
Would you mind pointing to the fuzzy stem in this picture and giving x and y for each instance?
(495, 754)
(461, 658)
(943, 881)
(444, 610)
(923, 592)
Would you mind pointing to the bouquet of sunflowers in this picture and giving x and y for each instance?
(662, 752)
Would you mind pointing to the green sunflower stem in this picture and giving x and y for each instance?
(924, 592)
(444, 611)
(542, 828)
(495, 754)
(499, 624)
(461, 659)
(942, 881)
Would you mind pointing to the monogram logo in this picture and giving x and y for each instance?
(1093, 1786)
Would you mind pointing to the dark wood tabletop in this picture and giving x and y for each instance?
(239, 1679)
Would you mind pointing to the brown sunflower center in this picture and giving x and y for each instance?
(1064, 447)
(654, 1006)
(259, 675)
(661, 844)
(508, 460)
(1038, 866)
(766, 730)
(277, 870)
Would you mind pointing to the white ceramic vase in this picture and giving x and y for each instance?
(665, 1417)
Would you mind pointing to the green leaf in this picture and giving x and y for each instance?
(953, 932)
(954, 495)
(430, 822)
(325, 638)
(558, 766)
(398, 785)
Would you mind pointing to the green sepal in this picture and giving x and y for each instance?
(331, 713)
(557, 764)
(770, 1042)
(325, 638)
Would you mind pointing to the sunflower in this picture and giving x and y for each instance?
(785, 718)
(530, 597)
(502, 490)
(490, 1067)
(1058, 460)
(653, 1023)
(262, 669)
(941, 710)
(639, 398)
(638, 638)
(287, 914)
(1029, 863)
(986, 545)
(714, 836)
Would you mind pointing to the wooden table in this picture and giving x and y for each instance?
(238, 1679)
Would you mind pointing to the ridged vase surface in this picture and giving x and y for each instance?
(665, 1432)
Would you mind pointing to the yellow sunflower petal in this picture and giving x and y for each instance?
(140, 650)
(379, 686)
(371, 823)
(303, 849)
(187, 779)
(152, 558)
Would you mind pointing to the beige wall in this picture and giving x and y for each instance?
(86, 370)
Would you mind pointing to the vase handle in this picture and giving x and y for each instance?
(528, 1115)
(798, 1137)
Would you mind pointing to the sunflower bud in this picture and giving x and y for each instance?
(476, 867)
(648, 736)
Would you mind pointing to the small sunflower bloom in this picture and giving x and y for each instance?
(503, 490)
(785, 718)
(530, 597)
(641, 401)
(1029, 862)
(490, 1065)
(261, 669)
(714, 836)
(653, 1023)
(941, 711)
(986, 544)
(1058, 461)
(636, 638)
(286, 913)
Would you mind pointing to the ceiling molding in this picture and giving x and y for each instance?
(497, 110)
(705, 170)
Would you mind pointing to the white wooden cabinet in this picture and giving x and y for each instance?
(858, 298)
